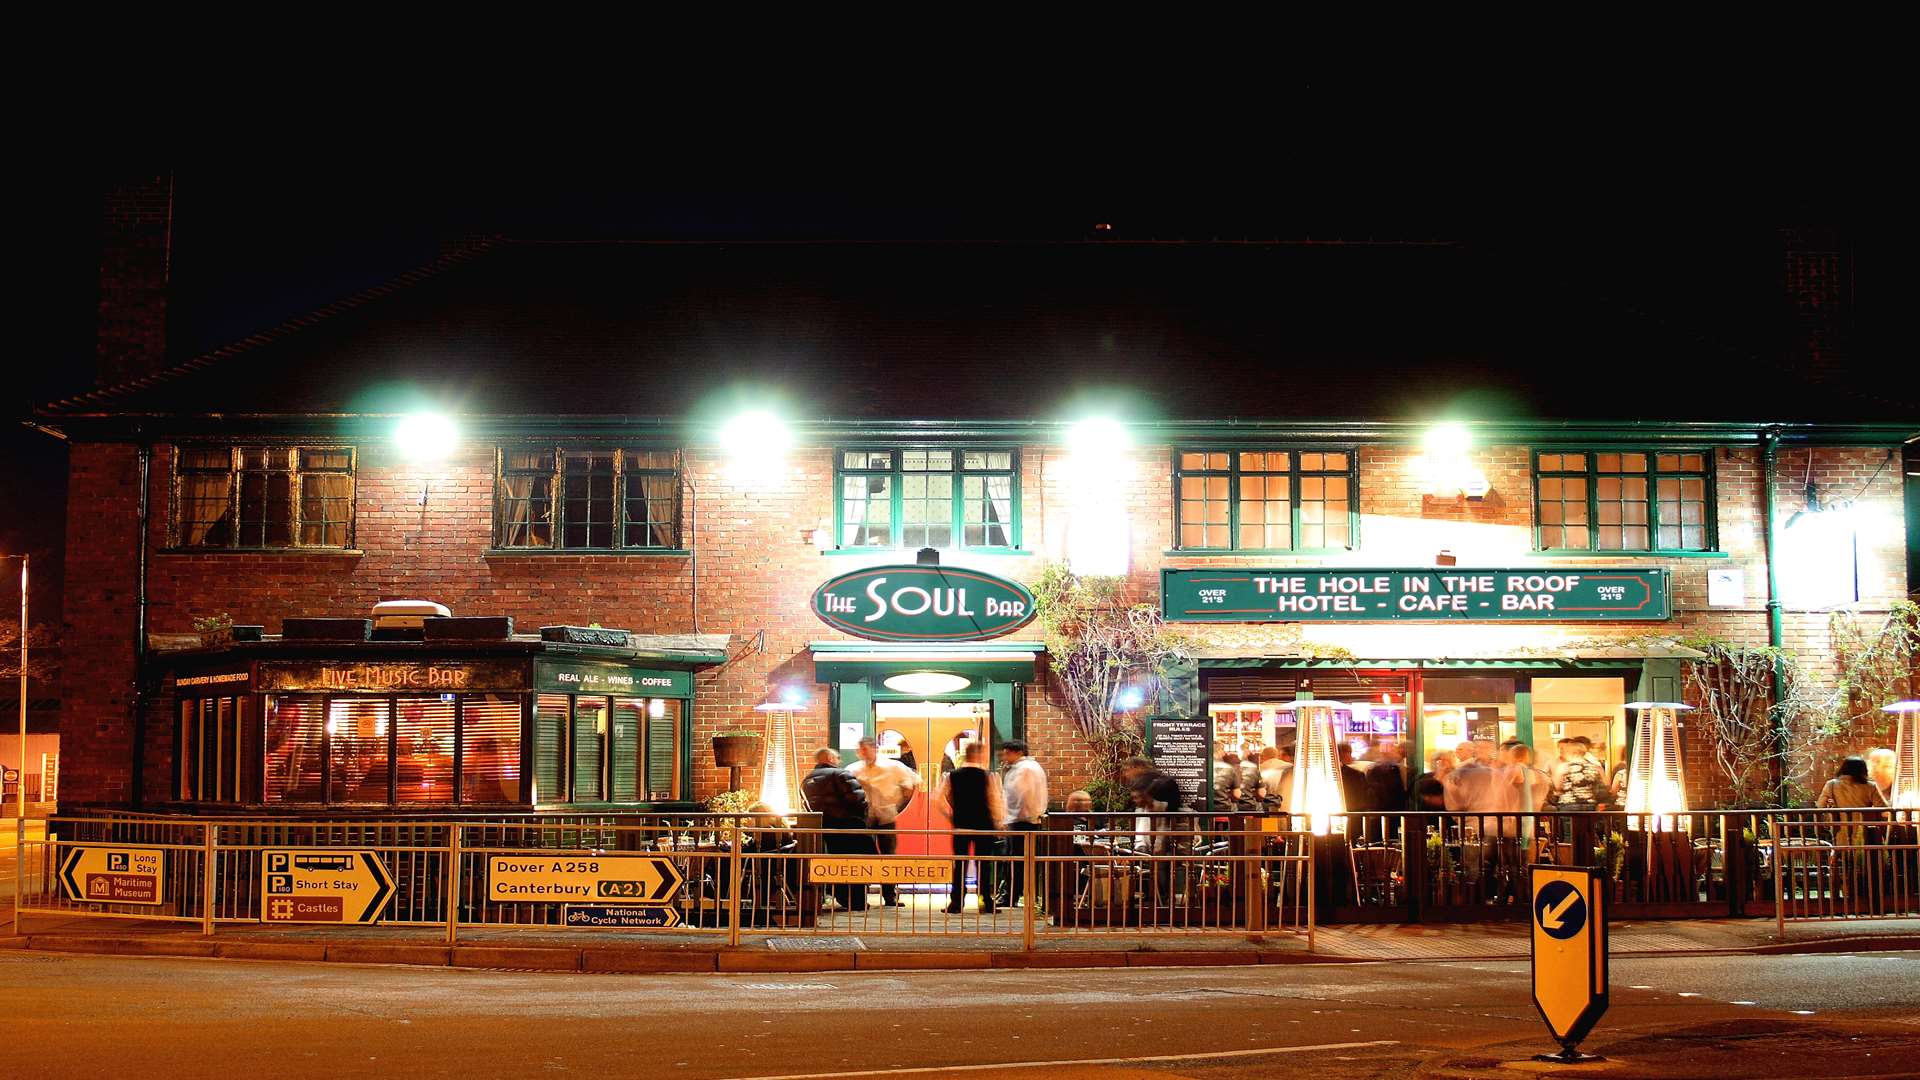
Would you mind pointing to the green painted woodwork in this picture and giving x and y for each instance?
(1344, 594)
(929, 604)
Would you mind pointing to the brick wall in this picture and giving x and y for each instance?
(757, 572)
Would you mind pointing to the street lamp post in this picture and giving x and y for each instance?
(22, 771)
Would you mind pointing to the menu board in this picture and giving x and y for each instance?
(1182, 748)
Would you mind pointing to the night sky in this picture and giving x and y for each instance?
(250, 250)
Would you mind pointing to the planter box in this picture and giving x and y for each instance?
(735, 751)
(327, 630)
(469, 628)
(586, 635)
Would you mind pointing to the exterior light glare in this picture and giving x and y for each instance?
(754, 436)
(1128, 698)
(1098, 435)
(927, 682)
(424, 436)
(1448, 441)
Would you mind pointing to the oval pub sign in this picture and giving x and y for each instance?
(923, 603)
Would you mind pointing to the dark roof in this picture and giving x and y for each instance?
(1001, 331)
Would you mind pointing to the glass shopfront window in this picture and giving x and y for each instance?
(361, 749)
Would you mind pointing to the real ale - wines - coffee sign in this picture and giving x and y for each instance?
(923, 603)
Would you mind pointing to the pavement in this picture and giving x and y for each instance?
(1671, 1018)
(853, 942)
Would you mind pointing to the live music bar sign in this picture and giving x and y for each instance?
(1444, 594)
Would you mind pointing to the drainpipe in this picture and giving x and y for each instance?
(139, 704)
(1769, 448)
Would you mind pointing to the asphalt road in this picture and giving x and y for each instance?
(93, 1017)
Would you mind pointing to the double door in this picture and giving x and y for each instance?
(929, 738)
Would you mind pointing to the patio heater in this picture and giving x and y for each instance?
(780, 771)
(1656, 780)
(1316, 791)
(1906, 753)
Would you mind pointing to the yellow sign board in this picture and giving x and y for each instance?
(114, 875)
(583, 879)
(1569, 950)
(880, 871)
(322, 885)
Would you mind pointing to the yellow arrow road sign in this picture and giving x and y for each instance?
(1569, 950)
(322, 885)
(583, 879)
(114, 875)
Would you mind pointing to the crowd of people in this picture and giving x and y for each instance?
(861, 804)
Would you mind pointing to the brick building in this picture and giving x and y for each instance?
(1279, 407)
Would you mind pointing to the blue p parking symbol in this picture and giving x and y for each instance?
(1560, 910)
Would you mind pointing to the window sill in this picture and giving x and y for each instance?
(909, 553)
(1215, 553)
(622, 553)
(346, 552)
(1581, 553)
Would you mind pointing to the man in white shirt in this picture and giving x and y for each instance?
(1025, 785)
(889, 786)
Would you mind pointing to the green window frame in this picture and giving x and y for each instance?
(586, 498)
(1647, 500)
(964, 498)
(1266, 500)
(262, 498)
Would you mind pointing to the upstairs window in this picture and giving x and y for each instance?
(587, 499)
(1623, 500)
(1264, 500)
(938, 497)
(263, 497)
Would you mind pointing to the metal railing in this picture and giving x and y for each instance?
(1837, 865)
(1157, 874)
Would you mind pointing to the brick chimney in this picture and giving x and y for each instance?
(136, 239)
(1817, 276)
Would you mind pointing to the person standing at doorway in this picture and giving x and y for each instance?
(1025, 785)
(889, 787)
(834, 794)
(973, 801)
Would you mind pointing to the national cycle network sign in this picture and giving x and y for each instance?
(1445, 594)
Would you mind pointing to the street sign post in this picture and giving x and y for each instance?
(322, 885)
(114, 875)
(1569, 955)
(584, 879)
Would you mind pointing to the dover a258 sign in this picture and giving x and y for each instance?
(1573, 593)
(923, 603)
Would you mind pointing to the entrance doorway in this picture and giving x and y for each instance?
(929, 737)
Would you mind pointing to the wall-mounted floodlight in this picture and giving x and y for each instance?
(1448, 441)
(1097, 435)
(425, 436)
(755, 436)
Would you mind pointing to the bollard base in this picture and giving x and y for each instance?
(1568, 1055)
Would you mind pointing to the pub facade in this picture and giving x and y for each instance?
(669, 492)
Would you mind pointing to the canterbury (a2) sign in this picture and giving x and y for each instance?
(923, 603)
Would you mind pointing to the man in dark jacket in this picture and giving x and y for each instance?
(834, 794)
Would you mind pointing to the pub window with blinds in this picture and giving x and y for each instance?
(586, 499)
(590, 749)
(1623, 500)
(212, 747)
(938, 497)
(263, 498)
(1264, 500)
